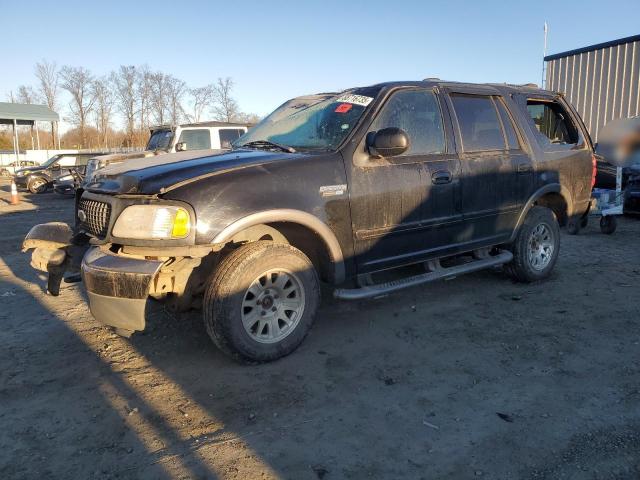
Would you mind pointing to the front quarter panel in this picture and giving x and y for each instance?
(315, 184)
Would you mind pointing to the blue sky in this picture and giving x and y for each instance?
(275, 49)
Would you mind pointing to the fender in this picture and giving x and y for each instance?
(549, 188)
(294, 216)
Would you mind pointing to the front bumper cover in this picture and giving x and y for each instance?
(118, 287)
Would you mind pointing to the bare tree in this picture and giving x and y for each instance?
(103, 107)
(144, 92)
(48, 78)
(176, 89)
(78, 81)
(159, 97)
(26, 94)
(11, 98)
(202, 97)
(124, 81)
(225, 107)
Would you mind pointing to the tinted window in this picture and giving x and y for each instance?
(229, 135)
(417, 113)
(552, 122)
(196, 139)
(479, 124)
(509, 130)
(160, 140)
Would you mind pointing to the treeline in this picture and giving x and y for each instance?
(117, 109)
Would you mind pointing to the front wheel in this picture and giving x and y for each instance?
(37, 185)
(536, 248)
(261, 301)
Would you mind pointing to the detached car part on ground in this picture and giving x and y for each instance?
(342, 188)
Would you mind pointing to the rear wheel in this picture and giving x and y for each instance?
(608, 224)
(535, 250)
(261, 301)
(37, 185)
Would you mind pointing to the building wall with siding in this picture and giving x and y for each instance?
(602, 84)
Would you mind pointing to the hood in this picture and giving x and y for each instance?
(121, 157)
(150, 176)
(28, 170)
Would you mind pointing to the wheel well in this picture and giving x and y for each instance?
(296, 235)
(557, 204)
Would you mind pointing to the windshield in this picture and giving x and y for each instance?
(51, 161)
(313, 122)
(160, 140)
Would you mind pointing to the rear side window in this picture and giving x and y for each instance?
(552, 122)
(196, 139)
(229, 135)
(418, 114)
(479, 124)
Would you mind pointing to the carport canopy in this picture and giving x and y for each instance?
(26, 114)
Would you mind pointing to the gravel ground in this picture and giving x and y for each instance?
(476, 377)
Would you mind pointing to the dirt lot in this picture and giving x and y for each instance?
(476, 377)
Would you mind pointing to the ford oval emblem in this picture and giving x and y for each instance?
(82, 216)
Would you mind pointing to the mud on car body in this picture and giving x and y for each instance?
(336, 187)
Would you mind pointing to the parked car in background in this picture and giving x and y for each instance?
(340, 187)
(11, 168)
(178, 138)
(39, 179)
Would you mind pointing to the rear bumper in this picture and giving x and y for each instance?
(118, 287)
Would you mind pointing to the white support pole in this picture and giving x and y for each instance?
(37, 134)
(58, 133)
(16, 141)
(31, 135)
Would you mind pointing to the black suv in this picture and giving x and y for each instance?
(339, 187)
(39, 179)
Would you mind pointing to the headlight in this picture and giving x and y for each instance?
(152, 222)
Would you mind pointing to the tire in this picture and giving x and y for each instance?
(37, 185)
(573, 226)
(584, 221)
(540, 229)
(266, 273)
(608, 224)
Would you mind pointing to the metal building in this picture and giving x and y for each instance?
(601, 81)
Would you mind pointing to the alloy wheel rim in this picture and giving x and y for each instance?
(273, 305)
(541, 247)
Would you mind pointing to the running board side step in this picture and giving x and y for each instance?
(440, 274)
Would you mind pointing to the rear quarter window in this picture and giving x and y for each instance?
(552, 122)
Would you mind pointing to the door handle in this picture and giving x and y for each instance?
(524, 168)
(441, 177)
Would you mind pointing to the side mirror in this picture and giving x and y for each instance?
(181, 146)
(388, 142)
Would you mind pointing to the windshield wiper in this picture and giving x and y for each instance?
(267, 145)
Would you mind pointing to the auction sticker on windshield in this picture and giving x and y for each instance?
(361, 100)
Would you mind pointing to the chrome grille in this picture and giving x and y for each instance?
(96, 216)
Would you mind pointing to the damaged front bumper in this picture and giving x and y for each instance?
(118, 288)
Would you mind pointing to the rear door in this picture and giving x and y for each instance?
(495, 170)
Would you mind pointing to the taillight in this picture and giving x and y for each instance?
(594, 170)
